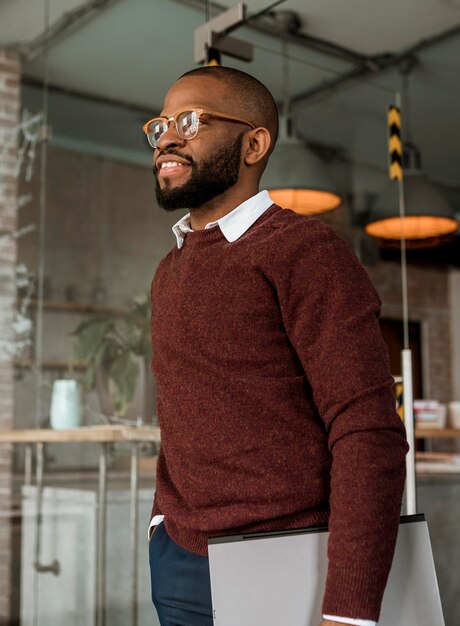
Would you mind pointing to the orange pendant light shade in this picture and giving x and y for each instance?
(428, 215)
(297, 179)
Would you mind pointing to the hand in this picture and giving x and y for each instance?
(328, 622)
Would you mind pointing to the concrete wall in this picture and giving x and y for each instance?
(104, 236)
(102, 224)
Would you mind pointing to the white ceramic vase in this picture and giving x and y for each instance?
(66, 407)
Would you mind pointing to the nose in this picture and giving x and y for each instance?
(170, 138)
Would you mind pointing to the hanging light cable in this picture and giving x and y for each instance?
(295, 177)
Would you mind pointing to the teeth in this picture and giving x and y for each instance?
(170, 164)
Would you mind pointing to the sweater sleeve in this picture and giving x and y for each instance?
(330, 311)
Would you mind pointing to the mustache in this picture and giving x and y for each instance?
(172, 152)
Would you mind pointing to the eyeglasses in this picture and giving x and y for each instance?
(187, 124)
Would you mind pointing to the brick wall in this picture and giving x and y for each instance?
(429, 303)
(454, 292)
(9, 114)
(428, 299)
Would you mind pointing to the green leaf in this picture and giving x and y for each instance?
(123, 375)
(113, 341)
(89, 378)
(90, 337)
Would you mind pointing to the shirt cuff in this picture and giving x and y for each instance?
(350, 620)
(156, 519)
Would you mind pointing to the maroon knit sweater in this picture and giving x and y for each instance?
(274, 399)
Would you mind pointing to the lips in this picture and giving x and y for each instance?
(171, 165)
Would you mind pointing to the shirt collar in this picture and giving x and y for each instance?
(234, 224)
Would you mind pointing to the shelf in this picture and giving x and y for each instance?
(49, 365)
(77, 307)
(437, 433)
(437, 463)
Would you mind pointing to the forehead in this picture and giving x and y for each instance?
(197, 92)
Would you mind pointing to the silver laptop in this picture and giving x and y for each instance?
(277, 579)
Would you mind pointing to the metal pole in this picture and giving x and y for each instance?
(40, 567)
(41, 229)
(101, 537)
(133, 521)
(28, 465)
(406, 357)
(411, 492)
(38, 523)
(402, 215)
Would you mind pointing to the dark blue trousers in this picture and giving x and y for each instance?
(181, 589)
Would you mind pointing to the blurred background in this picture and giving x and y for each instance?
(81, 235)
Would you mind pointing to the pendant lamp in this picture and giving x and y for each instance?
(296, 178)
(428, 217)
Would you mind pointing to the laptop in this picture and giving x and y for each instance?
(278, 578)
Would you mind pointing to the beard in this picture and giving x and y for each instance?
(208, 179)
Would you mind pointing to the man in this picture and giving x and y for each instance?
(274, 397)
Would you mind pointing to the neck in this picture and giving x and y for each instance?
(219, 206)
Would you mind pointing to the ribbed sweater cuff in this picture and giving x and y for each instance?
(354, 592)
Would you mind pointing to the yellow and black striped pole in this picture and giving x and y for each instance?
(395, 150)
(395, 143)
(212, 57)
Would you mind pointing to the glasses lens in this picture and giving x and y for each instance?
(187, 124)
(156, 129)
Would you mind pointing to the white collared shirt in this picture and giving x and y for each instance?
(233, 226)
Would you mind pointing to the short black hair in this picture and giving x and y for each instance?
(252, 98)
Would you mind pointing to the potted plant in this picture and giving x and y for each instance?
(116, 348)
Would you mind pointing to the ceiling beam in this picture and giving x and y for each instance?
(67, 24)
(37, 83)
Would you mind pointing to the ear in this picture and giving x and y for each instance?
(257, 145)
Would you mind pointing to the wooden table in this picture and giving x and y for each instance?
(103, 435)
(95, 434)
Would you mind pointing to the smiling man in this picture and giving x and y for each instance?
(274, 396)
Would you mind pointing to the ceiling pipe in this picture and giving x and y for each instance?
(374, 66)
